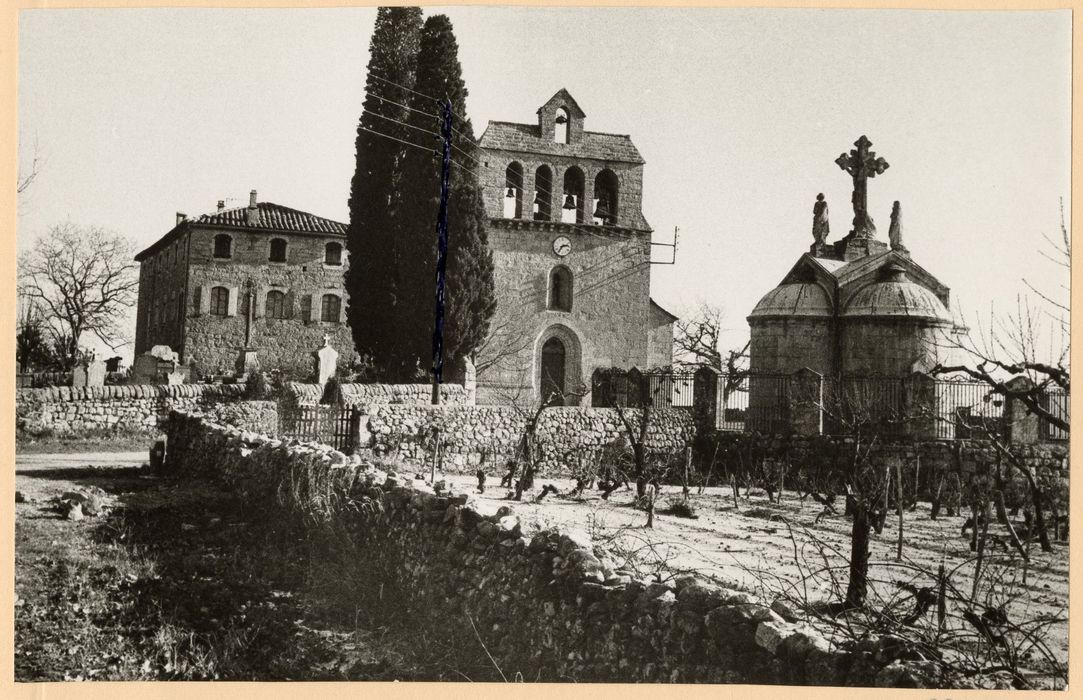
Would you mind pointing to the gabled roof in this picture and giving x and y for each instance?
(272, 217)
(565, 99)
(526, 138)
(658, 307)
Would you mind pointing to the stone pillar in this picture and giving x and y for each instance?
(247, 361)
(806, 398)
(1020, 425)
(705, 400)
(588, 197)
(919, 403)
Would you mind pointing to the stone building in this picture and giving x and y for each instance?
(263, 278)
(856, 308)
(572, 257)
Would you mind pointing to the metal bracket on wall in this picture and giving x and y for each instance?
(672, 245)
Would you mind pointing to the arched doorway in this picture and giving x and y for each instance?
(552, 371)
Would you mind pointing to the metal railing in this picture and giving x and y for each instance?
(944, 408)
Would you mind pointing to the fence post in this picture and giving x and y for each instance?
(919, 405)
(806, 399)
(705, 400)
(1020, 425)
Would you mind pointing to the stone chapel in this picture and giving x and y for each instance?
(572, 255)
(857, 307)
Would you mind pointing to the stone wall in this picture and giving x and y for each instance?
(468, 432)
(549, 604)
(370, 395)
(133, 409)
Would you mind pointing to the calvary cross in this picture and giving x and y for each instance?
(862, 164)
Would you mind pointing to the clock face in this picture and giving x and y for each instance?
(562, 246)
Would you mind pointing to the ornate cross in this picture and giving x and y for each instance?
(862, 164)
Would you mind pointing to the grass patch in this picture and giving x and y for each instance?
(181, 582)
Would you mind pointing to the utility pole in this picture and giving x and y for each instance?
(441, 256)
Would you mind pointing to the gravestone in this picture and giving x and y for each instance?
(96, 373)
(79, 375)
(326, 361)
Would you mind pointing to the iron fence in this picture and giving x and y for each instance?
(946, 408)
(1057, 403)
(336, 426)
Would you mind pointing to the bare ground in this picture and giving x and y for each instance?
(792, 548)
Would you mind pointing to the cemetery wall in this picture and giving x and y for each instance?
(133, 409)
(547, 604)
(563, 434)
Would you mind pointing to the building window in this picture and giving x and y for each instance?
(223, 246)
(276, 304)
(278, 250)
(219, 301)
(330, 308)
(560, 289)
(332, 254)
(560, 126)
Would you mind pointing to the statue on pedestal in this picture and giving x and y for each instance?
(895, 232)
(820, 225)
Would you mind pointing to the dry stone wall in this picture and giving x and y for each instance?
(550, 604)
(74, 411)
(468, 432)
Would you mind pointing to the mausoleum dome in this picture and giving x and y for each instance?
(894, 296)
(803, 299)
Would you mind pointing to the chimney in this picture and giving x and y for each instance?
(251, 215)
(181, 216)
(221, 204)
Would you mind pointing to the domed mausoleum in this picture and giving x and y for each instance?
(858, 307)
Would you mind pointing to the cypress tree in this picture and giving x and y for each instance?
(470, 300)
(374, 290)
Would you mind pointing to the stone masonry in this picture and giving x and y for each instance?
(605, 317)
(179, 276)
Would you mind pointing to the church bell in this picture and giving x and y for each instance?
(569, 202)
(602, 211)
(511, 192)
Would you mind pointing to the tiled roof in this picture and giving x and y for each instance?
(272, 217)
(510, 136)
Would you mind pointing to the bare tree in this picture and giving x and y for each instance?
(501, 347)
(696, 343)
(1012, 344)
(83, 279)
(26, 177)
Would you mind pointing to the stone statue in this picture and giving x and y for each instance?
(820, 225)
(895, 232)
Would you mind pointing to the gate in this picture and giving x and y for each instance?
(332, 425)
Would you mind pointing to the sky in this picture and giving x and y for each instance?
(739, 114)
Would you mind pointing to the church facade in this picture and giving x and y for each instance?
(572, 258)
